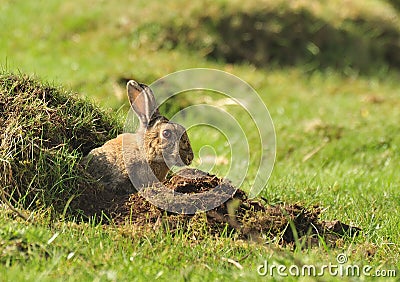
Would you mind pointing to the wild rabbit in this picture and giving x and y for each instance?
(133, 161)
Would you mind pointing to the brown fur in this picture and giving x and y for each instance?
(145, 154)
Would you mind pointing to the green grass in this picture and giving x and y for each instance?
(349, 109)
(88, 252)
(45, 131)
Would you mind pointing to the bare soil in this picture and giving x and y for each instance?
(250, 219)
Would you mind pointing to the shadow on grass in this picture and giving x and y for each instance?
(285, 37)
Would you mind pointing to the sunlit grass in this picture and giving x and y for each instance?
(337, 136)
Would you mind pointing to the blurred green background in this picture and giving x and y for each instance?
(92, 46)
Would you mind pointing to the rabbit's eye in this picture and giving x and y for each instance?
(166, 133)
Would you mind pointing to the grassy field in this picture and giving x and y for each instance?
(335, 89)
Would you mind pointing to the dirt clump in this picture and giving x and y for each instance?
(247, 218)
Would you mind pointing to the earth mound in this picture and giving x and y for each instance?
(248, 218)
(44, 131)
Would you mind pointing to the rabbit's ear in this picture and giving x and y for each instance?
(142, 101)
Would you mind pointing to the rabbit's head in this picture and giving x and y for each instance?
(164, 142)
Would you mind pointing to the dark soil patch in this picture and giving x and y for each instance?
(250, 219)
